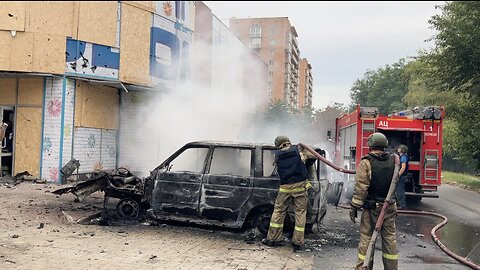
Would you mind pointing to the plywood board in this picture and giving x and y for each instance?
(135, 45)
(55, 18)
(30, 91)
(5, 50)
(98, 22)
(98, 106)
(16, 52)
(145, 5)
(76, 15)
(49, 53)
(12, 16)
(8, 91)
(28, 132)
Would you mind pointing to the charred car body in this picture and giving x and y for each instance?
(219, 183)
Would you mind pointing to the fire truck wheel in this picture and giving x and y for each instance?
(128, 208)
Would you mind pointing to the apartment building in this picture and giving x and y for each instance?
(224, 59)
(275, 41)
(306, 84)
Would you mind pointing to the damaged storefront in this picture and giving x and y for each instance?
(72, 88)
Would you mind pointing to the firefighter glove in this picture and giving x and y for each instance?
(353, 213)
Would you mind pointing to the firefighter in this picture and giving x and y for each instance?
(291, 166)
(400, 191)
(372, 182)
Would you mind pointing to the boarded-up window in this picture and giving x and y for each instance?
(96, 106)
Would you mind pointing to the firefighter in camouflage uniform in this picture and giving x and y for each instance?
(372, 182)
(291, 163)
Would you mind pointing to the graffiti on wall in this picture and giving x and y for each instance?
(89, 59)
(58, 116)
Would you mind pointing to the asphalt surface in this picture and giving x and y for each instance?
(34, 228)
(416, 247)
(462, 232)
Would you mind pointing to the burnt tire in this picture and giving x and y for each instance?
(128, 209)
(309, 228)
(262, 222)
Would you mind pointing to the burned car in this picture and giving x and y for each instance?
(217, 183)
(227, 184)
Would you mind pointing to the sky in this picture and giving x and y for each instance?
(343, 40)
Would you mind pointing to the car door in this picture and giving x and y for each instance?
(227, 185)
(177, 188)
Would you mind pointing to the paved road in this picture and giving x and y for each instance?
(60, 244)
(462, 207)
(416, 248)
(456, 203)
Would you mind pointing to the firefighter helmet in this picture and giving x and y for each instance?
(377, 139)
(279, 140)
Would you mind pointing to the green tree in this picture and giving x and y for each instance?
(456, 64)
(383, 88)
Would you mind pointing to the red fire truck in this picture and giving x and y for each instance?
(420, 129)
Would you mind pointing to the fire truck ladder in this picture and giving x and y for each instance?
(368, 128)
(430, 165)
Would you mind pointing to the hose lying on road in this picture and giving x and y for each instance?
(434, 236)
(437, 241)
(432, 232)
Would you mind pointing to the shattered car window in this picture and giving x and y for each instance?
(231, 161)
(268, 163)
(191, 160)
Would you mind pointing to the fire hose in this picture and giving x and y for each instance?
(461, 259)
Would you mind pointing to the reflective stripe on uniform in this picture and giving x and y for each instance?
(276, 225)
(291, 190)
(390, 256)
(361, 257)
(300, 229)
(357, 202)
(308, 186)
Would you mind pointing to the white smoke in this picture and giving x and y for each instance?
(189, 112)
(226, 109)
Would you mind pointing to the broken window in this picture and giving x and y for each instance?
(268, 163)
(231, 161)
(190, 160)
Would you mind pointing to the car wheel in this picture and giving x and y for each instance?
(262, 222)
(128, 208)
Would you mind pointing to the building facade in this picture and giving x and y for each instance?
(275, 41)
(74, 76)
(306, 84)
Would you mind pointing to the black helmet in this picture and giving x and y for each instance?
(279, 140)
(377, 139)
